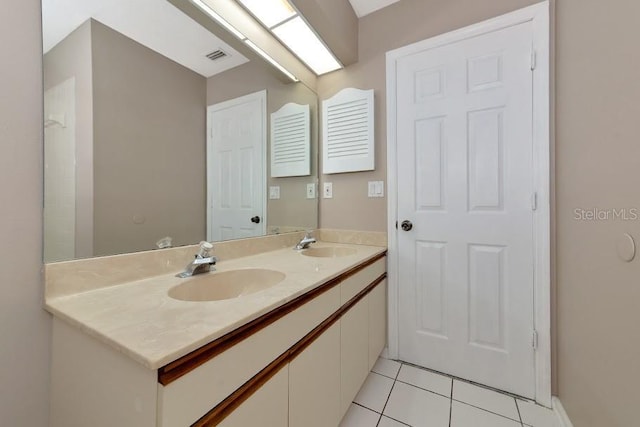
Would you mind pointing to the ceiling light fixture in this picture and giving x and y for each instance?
(284, 21)
(219, 19)
(273, 62)
(270, 12)
(206, 8)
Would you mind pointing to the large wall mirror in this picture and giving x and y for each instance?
(136, 94)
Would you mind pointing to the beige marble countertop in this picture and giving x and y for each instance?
(140, 320)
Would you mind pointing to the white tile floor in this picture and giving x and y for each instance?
(399, 395)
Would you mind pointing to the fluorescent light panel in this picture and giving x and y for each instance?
(301, 39)
(206, 8)
(282, 19)
(219, 19)
(270, 12)
(273, 62)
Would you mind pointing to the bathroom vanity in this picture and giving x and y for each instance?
(293, 353)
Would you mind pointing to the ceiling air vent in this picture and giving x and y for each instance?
(217, 54)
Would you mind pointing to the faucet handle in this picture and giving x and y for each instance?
(205, 248)
(309, 234)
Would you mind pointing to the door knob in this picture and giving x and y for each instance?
(255, 219)
(406, 225)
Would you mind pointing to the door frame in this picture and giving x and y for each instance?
(256, 96)
(538, 15)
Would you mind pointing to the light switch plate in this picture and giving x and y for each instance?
(311, 191)
(376, 189)
(327, 191)
(274, 192)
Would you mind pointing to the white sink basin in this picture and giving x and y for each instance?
(328, 252)
(226, 284)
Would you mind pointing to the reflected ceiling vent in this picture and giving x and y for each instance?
(217, 54)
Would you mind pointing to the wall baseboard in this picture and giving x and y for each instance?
(561, 414)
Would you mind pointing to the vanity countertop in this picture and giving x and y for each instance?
(140, 319)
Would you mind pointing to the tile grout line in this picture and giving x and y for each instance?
(399, 369)
(451, 399)
(398, 421)
(379, 419)
(464, 380)
(486, 410)
(519, 414)
(423, 389)
(451, 403)
(395, 379)
(484, 387)
(388, 397)
(383, 375)
(390, 391)
(366, 407)
(422, 369)
(387, 376)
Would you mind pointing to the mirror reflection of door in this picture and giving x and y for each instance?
(236, 147)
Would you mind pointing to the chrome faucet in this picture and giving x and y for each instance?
(305, 242)
(202, 262)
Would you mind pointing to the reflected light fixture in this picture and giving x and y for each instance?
(272, 61)
(284, 21)
(206, 8)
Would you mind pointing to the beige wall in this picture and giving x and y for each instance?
(402, 23)
(293, 210)
(597, 163)
(149, 147)
(597, 166)
(24, 325)
(72, 58)
(597, 159)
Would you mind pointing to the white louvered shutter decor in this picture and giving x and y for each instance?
(347, 132)
(291, 141)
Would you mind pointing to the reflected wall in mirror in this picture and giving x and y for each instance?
(126, 135)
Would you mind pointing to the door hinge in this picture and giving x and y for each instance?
(534, 340)
(534, 201)
(533, 59)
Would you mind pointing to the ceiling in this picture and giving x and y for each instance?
(365, 7)
(156, 24)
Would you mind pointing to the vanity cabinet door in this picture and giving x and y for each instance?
(354, 352)
(314, 382)
(377, 322)
(267, 407)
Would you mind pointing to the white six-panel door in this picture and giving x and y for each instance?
(465, 182)
(236, 147)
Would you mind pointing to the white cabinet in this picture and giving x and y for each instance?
(186, 399)
(377, 322)
(267, 407)
(94, 385)
(314, 379)
(354, 352)
(320, 345)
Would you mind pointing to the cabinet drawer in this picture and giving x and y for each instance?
(350, 287)
(185, 400)
(268, 407)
